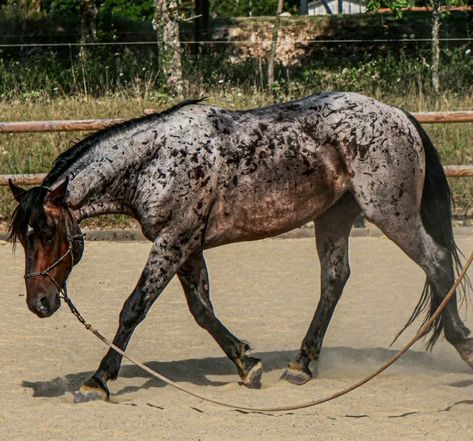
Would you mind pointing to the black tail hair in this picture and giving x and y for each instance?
(437, 219)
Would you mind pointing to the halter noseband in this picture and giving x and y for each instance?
(70, 250)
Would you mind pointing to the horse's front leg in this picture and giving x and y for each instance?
(164, 260)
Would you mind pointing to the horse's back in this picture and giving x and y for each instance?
(354, 137)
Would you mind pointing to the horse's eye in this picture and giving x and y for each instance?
(47, 238)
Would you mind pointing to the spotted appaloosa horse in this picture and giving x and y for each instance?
(197, 177)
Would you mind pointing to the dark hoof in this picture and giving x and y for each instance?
(296, 376)
(251, 372)
(253, 378)
(91, 390)
(465, 349)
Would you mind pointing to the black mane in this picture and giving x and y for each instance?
(66, 159)
(30, 211)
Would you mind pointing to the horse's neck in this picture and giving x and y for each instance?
(104, 180)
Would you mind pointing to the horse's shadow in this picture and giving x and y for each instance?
(335, 361)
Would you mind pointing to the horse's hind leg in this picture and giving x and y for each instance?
(436, 261)
(194, 279)
(331, 231)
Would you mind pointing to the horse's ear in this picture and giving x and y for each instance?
(57, 195)
(18, 192)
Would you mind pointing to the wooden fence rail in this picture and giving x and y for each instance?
(98, 124)
(58, 125)
(458, 171)
(444, 117)
(32, 179)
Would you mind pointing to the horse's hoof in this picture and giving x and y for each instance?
(91, 390)
(465, 349)
(251, 372)
(253, 378)
(296, 376)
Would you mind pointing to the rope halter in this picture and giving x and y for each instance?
(70, 237)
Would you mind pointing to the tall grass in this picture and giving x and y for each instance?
(59, 85)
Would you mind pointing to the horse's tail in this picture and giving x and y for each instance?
(436, 216)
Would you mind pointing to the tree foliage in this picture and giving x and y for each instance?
(142, 10)
(136, 10)
(397, 5)
(436, 5)
(242, 8)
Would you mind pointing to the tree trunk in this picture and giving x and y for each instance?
(304, 7)
(88, 24)
(327, 7)
(436, 46)
(274, 42)
(166, 25)
(202, 28)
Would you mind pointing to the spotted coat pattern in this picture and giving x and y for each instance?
(200, 176)
(227, 176)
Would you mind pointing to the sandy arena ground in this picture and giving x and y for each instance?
(265, 292)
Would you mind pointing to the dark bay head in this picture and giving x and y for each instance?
(45, 229)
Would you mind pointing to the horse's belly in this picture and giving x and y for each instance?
(257, 210)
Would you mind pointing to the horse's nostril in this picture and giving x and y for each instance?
(43, 304)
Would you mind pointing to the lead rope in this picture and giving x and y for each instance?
(420, 333)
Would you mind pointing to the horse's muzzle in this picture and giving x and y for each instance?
(45, 306)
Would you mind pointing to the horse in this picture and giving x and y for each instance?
(197, 176)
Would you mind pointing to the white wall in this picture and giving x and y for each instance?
(348, 6)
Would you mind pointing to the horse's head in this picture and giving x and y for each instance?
(52, 242)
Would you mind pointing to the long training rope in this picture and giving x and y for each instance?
(420, 333)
